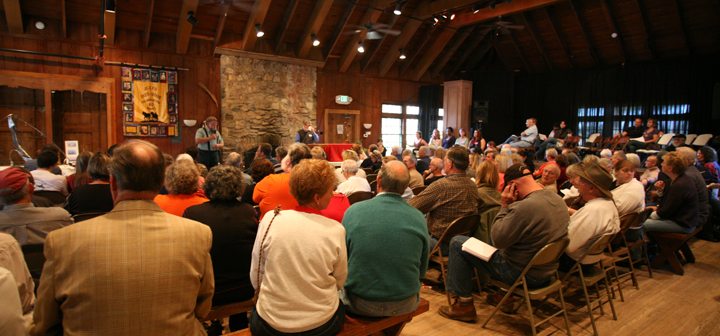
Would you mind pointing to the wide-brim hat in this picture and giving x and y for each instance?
(597, 176)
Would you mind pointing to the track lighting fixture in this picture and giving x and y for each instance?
(398, 8)
(258, 30)
(110, 6)
(315, 40)
(361, 47)
(402, 55)
(191, 18)
(476, 8)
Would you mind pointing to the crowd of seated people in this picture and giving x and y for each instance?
(303, 213)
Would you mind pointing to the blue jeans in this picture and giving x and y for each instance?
(259, 327)
(664, 225)
(461, 265)
(360, 306)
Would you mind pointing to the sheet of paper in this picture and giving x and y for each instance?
(340, 128)
(479, 248)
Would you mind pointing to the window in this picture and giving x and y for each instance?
(399, 124)
(672, 118)
(590, 120)
(624, 117)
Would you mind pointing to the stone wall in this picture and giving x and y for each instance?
(264, 101)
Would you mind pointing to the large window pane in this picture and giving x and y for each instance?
(412, 110)
(393, 109)
(440, 127)
(391, 130)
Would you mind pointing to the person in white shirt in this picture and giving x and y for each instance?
(348, 154)
(629, 193)
(527, 137)
(11, 317)
(352, 183)
(43, 176)
(650, 175)
(599, 216)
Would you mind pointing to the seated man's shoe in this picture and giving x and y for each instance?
(461, 311)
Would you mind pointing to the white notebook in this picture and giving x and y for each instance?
(479, 248)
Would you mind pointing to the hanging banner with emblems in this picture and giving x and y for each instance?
(150, 102)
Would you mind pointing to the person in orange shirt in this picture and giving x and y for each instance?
(274, 189)
(181, 181)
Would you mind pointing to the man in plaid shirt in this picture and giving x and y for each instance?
(449, 198)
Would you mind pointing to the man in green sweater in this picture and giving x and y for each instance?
(387, 242)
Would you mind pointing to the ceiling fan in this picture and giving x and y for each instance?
(373, 31)
(501, 27)
(234, 6)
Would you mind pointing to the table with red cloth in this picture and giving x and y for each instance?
(334, 151)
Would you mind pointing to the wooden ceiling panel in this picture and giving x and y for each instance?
(630, 23)
(344, 38)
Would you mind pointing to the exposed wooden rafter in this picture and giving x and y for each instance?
(410, 60)
(538, 44)
(109, 17)
(63, 19)
(313, 26)
(683, 26)
(584, 31)
(470, 47)
(504, 9)
(519, 52)
(401, 41)
(344, 19)
(184, 27)
(484, 49)
(13, 16)
(148, 23)
(450, 52)
(221, 25)
(371, 15)
(649, 41)
(614, 29)
(555, 32)
(287, 18)
(257, 16)
(434, 50)
(428, 8)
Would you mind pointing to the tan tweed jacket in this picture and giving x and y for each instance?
(134, 271)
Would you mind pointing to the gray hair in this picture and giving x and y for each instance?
(349, 166)
(424, 150)
(181, 178)
(234, 159)
(687, 154)
(394, 177)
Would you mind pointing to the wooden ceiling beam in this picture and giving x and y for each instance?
(480, 54)
(63, 19)
(471, 47)
(450, 52)
(109, 17)
(584, 31)
(13, 16)
(410, 60)
(221, 26)
(504, 9)
(428, 8)
(148, 23)
(400, 42)
(649, 41)
(371, 15)
(184, 27)
(257, 16)
(342, 23)
(614, 29)
(317, 18)
(287, 18)
(683, 25)
(556, 33)
(433, 52)
(519, 52)
(525, 22)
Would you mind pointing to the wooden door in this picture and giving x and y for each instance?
(342, 126)
(80, 115)
(28, 109)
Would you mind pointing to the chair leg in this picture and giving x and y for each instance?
(588, 303)
(687, 253)
(647, 260)
(507, 295)
(612, 305)
(529, 307)
(617, 280)
(444, 279)
(564, 308)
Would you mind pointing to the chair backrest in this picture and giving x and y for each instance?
(371, 177)
(599, 245)
(55, 197)
(373, 186)
(85, 216)
(368, 171)
(592, 137)
(690, 138)
(701, 140)
(462, 226)
(418, 190)
(629, 220)
(359, 196)
(665, 139)
(549, 254)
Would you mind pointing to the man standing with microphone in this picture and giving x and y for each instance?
(209, 143)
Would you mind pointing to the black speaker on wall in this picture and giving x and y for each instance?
(480, 111)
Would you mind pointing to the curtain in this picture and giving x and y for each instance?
(430, 100)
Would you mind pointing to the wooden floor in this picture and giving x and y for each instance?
(667, 304)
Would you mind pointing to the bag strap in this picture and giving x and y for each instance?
(261, 264)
